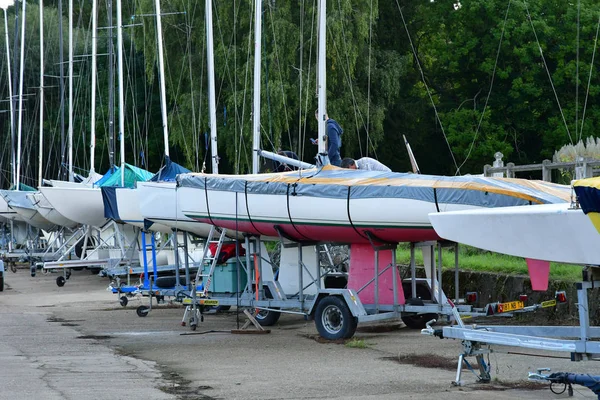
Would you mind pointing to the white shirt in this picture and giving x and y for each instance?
(370, 164)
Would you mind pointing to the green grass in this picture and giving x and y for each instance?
(473, 259)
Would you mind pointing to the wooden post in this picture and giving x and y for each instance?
(546, 171)
(509, 170)
(486, 169)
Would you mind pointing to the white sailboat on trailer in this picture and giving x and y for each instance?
(158, 201)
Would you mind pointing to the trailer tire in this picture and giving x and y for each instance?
(123, 300)
(142, 311)
(417, 321)
(60, 281)
(334, 319)
(267, 318)
(1, 281)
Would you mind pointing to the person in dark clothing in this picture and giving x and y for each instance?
(282, 167)
(334, 139)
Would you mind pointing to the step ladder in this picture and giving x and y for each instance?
(216, 236)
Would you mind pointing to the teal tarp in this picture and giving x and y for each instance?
(132, 175)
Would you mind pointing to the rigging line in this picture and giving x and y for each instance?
(369, 77)
(589, 78)
(346, 72)
(437, 116)
(283, 96)
(189, 17)
(244, 97)
(489, 91)
(308, 112)
(299, 149)
(577, 73)
(235, 121)
(548, 71)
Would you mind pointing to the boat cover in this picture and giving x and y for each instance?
(23, 187)
(18, 198)
(169, 172)
(109, 198)
(132, 175)
(588, 195)
(334, 182)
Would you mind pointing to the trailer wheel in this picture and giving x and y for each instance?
(123, 301)
(142, 311)
(32, 270)
(417, 321)
(13, 267)
(60, 281)
(334, 319)
(267, 318)
(1, 281)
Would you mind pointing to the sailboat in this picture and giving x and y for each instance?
(349, 206)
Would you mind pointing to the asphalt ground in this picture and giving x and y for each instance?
(77, 342)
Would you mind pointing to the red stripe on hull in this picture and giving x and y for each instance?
(328, 233)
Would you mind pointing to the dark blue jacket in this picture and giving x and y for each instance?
(334, 142)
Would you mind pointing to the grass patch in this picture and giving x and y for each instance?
(473, 259)
(357, 344)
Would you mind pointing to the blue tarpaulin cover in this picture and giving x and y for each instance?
(169, 172)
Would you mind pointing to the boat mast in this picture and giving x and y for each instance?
(10, 94)
(70, 131)
(20, 128)
(41, 145)
(61, 59)
(212, 109)
(161, 75)
(111, 88)
(322, 84)
(121, 90)
(94, 70)
(256, 103)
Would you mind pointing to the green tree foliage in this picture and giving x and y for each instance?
(460, 79)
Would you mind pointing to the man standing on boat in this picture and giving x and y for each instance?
(334, 139)
(365, 164)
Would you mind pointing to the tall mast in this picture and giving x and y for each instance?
(212, 108)
(20, 128)
(256, 103)
(322, 81)
(161, 75)
(10, 94)
(61, 67)
(70, 132)
(41, 145)
(94, 70)
(111, 88)
(121, 90)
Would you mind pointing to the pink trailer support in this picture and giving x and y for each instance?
(362, 270)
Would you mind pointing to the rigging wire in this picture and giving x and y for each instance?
(308, 112)
(577, 73)
(427, 87)
(589, 78)
(548, 71)
(369, 77)
(489, 92)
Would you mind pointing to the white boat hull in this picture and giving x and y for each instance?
(128, 204)
(158, 203)
(81, 204)
(19, 202)
(549, 232)
(44, 207)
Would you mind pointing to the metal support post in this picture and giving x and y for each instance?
(394, 279)
(186, 261)
(300, 276)
(259, 266)
(177, 263)
(456, 274)
(440, 266)
(249, 269)
(433, 274)
(145, 259)
(583, 310)
(318, 264)
(154, 267)
(376, 281)
(413, 271)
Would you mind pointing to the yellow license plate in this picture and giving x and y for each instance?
(510, 306)
(548, 303)
(203, 302)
